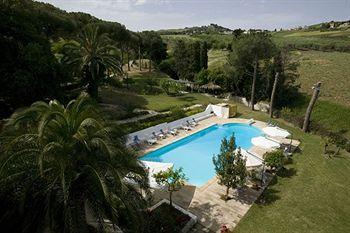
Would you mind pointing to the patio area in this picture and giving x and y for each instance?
(205, 201)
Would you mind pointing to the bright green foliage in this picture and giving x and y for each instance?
(274, 159)
(173, 179)
(92, 58)
(58, 161)
(229, 165)
(202, 77)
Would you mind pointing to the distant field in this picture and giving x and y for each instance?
(216, 41)
(331, 68)
(317, 40)
(164, 102)
(217, 58)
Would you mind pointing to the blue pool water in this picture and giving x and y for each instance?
(195, 152)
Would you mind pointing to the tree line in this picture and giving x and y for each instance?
(186, 60)
(42, 46)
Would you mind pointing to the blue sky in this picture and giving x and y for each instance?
(141, 15)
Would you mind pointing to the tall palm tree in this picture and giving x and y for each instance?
(65, 168)
(91, 57)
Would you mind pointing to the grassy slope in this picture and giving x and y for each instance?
(164, 102)
(314, 199)
(331, 68)
(326, 38)
(217, 58)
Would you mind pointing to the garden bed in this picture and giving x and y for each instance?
(164, 218)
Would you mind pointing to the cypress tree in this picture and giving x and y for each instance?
(204, 55)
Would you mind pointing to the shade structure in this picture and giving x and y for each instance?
(211, 86)
(153, 168)
(276, 132)
(251, 159)
(264, 143)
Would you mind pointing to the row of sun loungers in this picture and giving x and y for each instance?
(163, 131)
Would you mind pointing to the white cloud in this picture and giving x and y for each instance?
(140, 2)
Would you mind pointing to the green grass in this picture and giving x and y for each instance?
(312, 196)
(164, 102)
(331, 68)
(320, 40)
(217, 58)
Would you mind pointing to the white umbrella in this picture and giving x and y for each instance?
(276, 132)
(264, 143)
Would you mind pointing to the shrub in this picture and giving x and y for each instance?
(275, 159)
(202, 77)
(177, 112)
(171, 87)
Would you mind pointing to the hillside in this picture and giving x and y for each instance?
(328, 40)
(196, 30)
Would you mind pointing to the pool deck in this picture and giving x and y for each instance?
(205, 201)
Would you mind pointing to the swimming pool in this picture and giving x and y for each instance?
(194, 153)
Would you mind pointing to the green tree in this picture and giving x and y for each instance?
(274, 159)
(92, 57)
(202, 77)
(195, 56)
(229, 165)
(181, 60)
(60, 163)
(204, 55)
(154, 47)
(247, 52)
(173, 179)
(29, 70)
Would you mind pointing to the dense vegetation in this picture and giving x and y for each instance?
(63, 160)
(37, 62)
(62, 170)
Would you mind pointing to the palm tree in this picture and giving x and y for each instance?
(92, 57)
(65, 167)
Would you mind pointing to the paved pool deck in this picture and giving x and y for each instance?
(205, 201)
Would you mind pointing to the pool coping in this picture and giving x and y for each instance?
(204, 201)
(189, 134)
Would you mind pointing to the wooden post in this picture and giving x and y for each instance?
(316, 88)
(273, 94)
(254, 81)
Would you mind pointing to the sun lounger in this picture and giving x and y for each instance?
(173, 132)
(251, 121)
(152, 141)
(163, 134)
(158, 136)
(193, 124)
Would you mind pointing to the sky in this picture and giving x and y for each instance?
(139, 15)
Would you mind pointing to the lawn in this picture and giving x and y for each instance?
(164, 102)
(311, 196)
(331, 68)
(217, 58)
